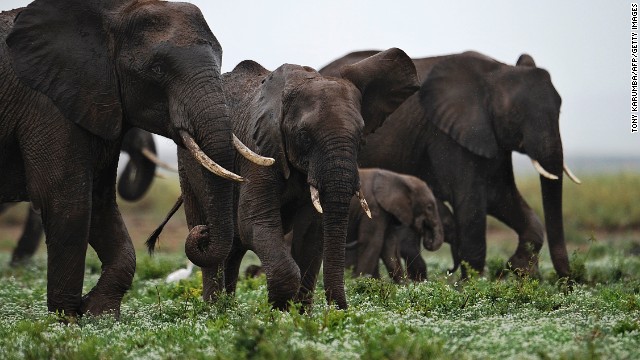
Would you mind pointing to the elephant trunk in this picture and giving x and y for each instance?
(339, 186)
(206, 120)
(545, 151)
(551, 189)
(139, 171)
(434, 236)
(552, 204)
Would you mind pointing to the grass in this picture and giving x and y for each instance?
(519, 318)
(441, 318)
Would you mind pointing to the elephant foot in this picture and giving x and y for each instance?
(523, 265)
(98, 304)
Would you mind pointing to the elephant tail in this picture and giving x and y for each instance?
(153, 238)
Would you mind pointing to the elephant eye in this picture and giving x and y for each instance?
(304, 140)
(157, 69)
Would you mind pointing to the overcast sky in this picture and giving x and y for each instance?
(585, 45)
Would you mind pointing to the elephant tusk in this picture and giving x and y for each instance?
(542, 171)
(154, 159)
(315, 198)
(203, 159)
(363, 203)
(570, 175)
(250, 155)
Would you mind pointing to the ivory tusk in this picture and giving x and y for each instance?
(203, 159)
(363, 203)
(315, 199)
(542, 171)
(250, 155)
(154, 159)
(570, 175)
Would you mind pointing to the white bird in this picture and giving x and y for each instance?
(181, 273)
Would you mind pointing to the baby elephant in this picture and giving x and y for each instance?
(403, 211)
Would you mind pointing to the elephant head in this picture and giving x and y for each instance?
(109, 65)
(491, 109)
(412, 203)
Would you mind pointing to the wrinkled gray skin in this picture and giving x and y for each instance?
(312, 126)
(132, 185)
(74, 76)
(458, 132)
(401, 206)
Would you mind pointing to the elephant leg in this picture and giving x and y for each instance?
(60, 187)
(261, 230)
(510, 208)
(232, 265)
(307, 249)
(391, 253)
(111, 241)
(371, 239)
(470, 214)
(283, 274)
(410, 251)
(30, 239)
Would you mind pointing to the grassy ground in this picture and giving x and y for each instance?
(441, 318)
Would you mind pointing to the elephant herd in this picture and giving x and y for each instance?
(269, 161)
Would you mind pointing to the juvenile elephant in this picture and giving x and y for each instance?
(134, 182)
(312, 126)
(403, 209)
(458, 132)
(76, 75)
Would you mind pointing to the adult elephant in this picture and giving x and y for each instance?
(403, 208)
(312, 126)
(75, 76)
(134, 182)
(457, 133)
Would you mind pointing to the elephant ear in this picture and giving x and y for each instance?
(455, 97)
(526, 60)
(393, 195)
(61, 48)
(385, 81)
(268, 112)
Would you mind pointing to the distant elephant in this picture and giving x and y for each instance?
(76, 75)
(312, 126)
(457, 133)
(134, 182)
(403, 208)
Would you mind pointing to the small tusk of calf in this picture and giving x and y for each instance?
(315, 199)
(571, 176)
(363, 203)
(542, 171)
(250, 155)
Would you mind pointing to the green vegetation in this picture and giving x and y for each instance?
(441, 318)
(521, 318)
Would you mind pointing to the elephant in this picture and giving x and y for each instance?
(457, 133)
(134, 182)
(76, 75)
(312, 126)
(403, 210)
